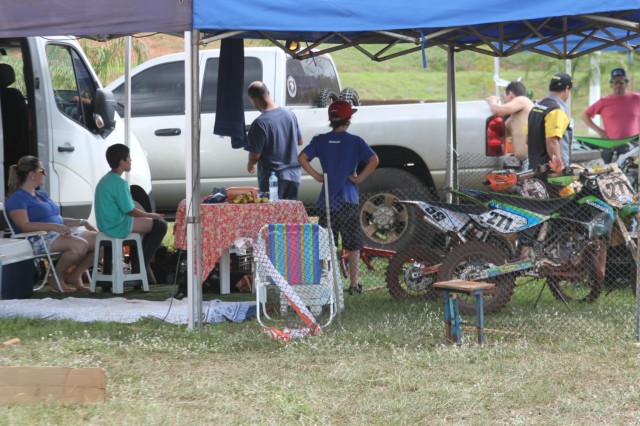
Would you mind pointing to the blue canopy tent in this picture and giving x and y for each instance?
(494, 27)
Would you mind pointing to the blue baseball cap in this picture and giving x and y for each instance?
(618, 72)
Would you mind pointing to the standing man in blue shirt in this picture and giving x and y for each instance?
(339, 153)
(273, 140)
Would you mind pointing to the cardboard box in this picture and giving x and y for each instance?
(17, 269)
(43, 384)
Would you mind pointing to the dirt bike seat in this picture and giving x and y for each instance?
(461, 208)
(597, 143)
(544, 207)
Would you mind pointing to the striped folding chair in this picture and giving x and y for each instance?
(296, 258)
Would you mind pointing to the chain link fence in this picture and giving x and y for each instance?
(561, 250)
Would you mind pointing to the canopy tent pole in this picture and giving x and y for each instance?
(496, 72)
(192, 159)
(567, 69)
(127, 95)
(594, 84)
(452, 145)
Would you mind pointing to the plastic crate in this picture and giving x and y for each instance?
(242, 262)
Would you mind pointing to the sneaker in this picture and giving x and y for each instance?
(357, 289)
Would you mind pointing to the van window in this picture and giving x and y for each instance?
(158, 90)
(73, 85)
(307, 78)
(252, 72)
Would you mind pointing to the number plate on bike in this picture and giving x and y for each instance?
(506, 220)
(615, 189)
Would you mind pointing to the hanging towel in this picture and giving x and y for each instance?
(231, 92)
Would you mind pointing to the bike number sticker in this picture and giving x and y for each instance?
(616, 189)
(444, 219)
(503, 221)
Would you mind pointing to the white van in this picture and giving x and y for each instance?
(49, 95)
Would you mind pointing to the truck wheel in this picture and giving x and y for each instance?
(384, 221)
(140, 200)
(326, 97)
(350, 95)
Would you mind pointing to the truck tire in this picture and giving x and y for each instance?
(350, 95)
(326, 97)
(384, 221)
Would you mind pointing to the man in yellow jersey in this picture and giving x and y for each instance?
(549, 132)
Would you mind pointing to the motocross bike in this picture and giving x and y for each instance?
(610, 184)
(414, 268)
(562, 240)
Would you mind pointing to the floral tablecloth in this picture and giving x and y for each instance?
(223, 223)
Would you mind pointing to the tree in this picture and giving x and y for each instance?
(107, 58)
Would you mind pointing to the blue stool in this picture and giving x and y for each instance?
(451, 289)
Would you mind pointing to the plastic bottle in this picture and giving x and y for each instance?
(273, 187)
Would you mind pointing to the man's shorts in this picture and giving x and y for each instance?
(345, 222)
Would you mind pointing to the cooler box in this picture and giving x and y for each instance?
(18, 271)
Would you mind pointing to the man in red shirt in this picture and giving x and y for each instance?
(620, 112)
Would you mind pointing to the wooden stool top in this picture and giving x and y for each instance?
(463, 286)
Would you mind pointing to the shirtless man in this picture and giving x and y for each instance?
(517, 107)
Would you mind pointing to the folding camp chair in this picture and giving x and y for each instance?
(47, 254)
(296, 258)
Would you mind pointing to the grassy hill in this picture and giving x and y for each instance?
(404, 78)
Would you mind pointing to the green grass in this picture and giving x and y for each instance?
(387, 365)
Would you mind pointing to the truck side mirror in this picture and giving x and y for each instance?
(104, 111)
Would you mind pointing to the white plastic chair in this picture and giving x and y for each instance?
(47, 254)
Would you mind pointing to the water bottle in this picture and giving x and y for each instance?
(273, 187)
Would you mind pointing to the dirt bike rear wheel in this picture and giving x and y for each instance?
(400, 280)
(584, 289)
(466, 260)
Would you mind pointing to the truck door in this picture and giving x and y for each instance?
(74, 144)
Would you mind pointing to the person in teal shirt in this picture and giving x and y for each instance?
(116, 214)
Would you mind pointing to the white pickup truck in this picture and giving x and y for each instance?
(410, 139)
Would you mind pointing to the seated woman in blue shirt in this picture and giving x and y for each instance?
(32, 210)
